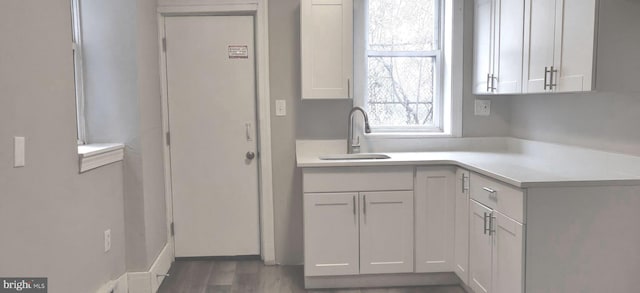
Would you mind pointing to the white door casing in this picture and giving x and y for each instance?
(212, 121)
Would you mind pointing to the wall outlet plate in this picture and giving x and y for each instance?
(482, 107)
(107, 240)
(281, 108)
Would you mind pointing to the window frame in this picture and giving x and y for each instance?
(78, 68)
(447, 99)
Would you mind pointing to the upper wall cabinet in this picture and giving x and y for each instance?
(560, 45)
(326, 29)
(498, 50)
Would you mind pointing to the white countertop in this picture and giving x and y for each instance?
(518, 162)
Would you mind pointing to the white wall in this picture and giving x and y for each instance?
(328, 120)
(607, 119)
(52, 218)
(123, 105)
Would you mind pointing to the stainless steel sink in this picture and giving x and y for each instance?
(363, 156)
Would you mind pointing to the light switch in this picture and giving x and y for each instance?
(483, 108)
(281, 108)
(18, 151)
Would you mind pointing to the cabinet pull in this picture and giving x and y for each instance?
(348, 87)
(552, 73)
(546, 71)
(354, 205)
(488, 82)
(489, 190)
(486, 216)
(364, 204)
(464, 182)
(491, 221)
(493, 83)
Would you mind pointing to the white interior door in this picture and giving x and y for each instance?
(212, 121)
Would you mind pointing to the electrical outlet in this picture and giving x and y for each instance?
(281, 108)
(107, 240)
(483, 108)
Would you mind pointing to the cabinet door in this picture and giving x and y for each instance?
(508, 255)
(461, 246)
(480, 246)
(434, 212)
(331, 234)
(509, 37)
(386, 232)
(326, 34)
(575, 39)
(483, 46)
(539, 41)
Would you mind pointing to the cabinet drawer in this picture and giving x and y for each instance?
(499, 196)
(344, 179)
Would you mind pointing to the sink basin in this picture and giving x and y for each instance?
(364, 156)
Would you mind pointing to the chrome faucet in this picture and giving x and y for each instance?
(351, 147)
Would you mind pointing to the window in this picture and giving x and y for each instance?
(400, 63)
(78, 69)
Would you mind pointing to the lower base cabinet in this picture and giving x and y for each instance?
(358, 233)
(496, 258)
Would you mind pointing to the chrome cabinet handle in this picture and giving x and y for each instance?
(464, 182)
(354, 205)
(491, 229)
(489, 190)
(486, 216)
(250, 155)
(493, 194)
(493, 83)
(364, 204)
(552, 73)
(546, 71)
(488, 82)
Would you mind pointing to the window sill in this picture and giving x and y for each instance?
(408, 135)
(96, 155)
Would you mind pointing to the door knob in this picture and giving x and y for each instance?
(250, 155)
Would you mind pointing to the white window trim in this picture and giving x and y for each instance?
(90, 156)
(451, 74)
(96, 155)
(78, 71)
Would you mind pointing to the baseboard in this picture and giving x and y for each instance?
(372, 281)
(149, 282)
(118, 285)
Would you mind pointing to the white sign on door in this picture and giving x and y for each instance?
(238, 52)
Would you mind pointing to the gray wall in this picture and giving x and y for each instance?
(123, 105)
(607, 119)
(327, 120)
(52, 218)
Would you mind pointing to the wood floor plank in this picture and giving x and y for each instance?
(245, 283)
(222, 273)
(248, 276)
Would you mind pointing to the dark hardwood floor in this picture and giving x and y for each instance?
(212, 276)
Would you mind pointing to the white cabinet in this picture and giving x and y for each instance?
(331, 234)
(434, 212)
(461, 246)
(559, 45)
(498, 46)
(480, 257)
(326, 33)
(386, 232)
(496, 257)
(358, 220)
(508, 255)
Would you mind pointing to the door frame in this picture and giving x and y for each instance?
(263, 111)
